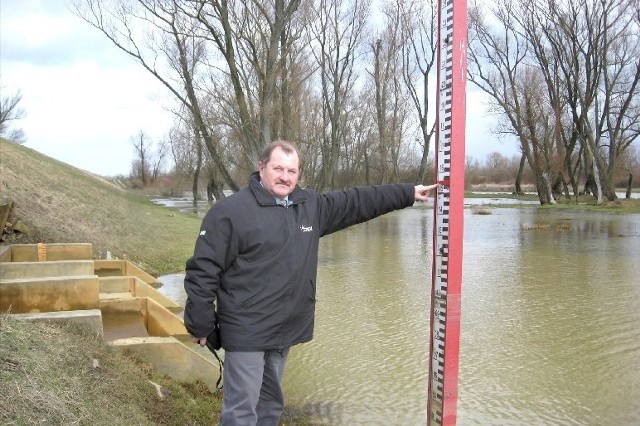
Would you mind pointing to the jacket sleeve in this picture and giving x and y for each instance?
(340, 209)
(203, 272)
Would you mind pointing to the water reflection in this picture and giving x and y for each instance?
(550, 325)
(185, 205)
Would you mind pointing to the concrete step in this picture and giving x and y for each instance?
(90, 318)
(50, 294)
(109, 268)
(115, 296)
(115, 284)
(58, 268)
(169, 356)
(51, 252)
(137, 288)
(159, 320)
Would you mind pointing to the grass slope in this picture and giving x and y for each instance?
(63, 204)
(58, 374)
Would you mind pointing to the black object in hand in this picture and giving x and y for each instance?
(214, 343)
(213, 339)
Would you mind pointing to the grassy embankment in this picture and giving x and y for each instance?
(63, 204)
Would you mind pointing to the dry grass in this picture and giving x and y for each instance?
(60, 374)
(481, 210)
(507, 187)
(544, 227)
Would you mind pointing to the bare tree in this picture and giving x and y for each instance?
(252, 38)
(630, 165)
(310, 130)
(595, 46)
(141, 166)
(498, 57)
(583, 55)
(621, 75)
(186, 150)
(159, 36)
(158, 161)
(360, 136)
(149, 159)
(391, 106)
(11, 111)
(419, 25)
(336, 29)
(245, 72)
(518, 183)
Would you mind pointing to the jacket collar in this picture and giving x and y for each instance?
(265, 198)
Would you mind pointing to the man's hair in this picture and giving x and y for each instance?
(286, 146)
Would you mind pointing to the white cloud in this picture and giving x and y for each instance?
(85, 115)
(84, 99)
(480, 137)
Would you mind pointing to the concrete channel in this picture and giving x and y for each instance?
(113, 298)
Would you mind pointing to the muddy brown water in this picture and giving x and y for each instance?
(550, 321)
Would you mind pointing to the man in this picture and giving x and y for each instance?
(257, 257)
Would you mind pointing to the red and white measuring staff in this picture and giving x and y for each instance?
(448, 214)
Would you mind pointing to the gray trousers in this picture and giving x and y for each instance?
(252, 395)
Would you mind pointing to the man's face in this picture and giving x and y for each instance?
(280, 174)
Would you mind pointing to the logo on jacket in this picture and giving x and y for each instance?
(306, 228)
(203, 232)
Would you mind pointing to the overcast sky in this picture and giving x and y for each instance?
(84, 99)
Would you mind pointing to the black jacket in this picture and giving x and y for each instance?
(258, 261)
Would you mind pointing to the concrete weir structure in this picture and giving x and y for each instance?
(113, 298)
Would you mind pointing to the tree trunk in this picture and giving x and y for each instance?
(595, 173)
(424, 162)
(559, 186)
(546, 188)
(589, 184)
(608, 191)
(196, 172)
(367, 166)
(214, 191)
(519, 175)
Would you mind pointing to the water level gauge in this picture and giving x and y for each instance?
(448, 213)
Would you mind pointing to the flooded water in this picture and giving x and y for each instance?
(550, 321)
(184, 205)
